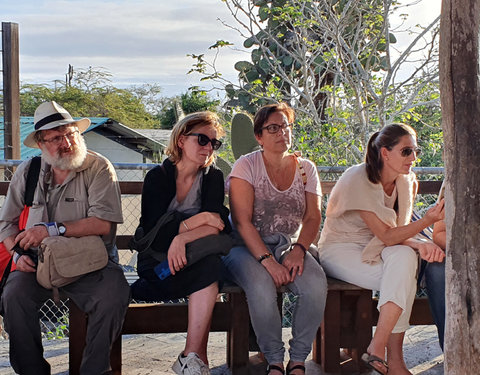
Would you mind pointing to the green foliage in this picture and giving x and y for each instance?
(89, 94)
(61, 329)
(332, 61)
(192, 101)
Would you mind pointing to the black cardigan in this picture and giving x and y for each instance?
(159, 188)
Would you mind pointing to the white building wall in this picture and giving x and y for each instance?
(116, 153)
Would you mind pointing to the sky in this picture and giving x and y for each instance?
(137, 41)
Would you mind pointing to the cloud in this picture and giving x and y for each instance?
(137, 41)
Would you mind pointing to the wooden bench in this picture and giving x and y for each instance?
(350, 314)
(230, 316)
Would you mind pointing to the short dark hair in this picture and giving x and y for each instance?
(388, 137)
(264, 113)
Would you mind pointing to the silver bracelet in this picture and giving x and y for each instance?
(185, 225)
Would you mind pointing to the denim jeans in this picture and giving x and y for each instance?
(310, 288)
(435, 280)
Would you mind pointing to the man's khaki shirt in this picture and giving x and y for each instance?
(89, 191)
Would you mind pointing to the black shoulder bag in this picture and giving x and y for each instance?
(219, 244)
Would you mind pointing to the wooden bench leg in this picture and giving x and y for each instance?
(363, 323)
(77, 337)
(330, 333)
(317, 347)
(237, 336)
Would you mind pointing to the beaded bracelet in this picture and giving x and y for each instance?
(300, 246)
(263, 257)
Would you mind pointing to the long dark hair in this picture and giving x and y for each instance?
(388, 137)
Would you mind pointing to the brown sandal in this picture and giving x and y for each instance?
(369, 359)
(276, 368)
(296, 367)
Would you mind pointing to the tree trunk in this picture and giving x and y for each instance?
(460, 97)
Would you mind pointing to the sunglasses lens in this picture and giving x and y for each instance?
(203, 139)
(216, 144)
(408, 151)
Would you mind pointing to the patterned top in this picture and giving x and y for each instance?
(274, 210)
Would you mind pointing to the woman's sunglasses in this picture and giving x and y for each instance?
(203, 140)
(407, 151)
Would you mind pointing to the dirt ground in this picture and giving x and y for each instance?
(155, 353)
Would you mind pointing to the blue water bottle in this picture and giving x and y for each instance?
(162, 270)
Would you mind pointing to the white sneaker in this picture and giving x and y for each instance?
(190, 365)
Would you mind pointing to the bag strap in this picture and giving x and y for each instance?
(32, 180)
(141, 241)
(30, 186)
(297, 154)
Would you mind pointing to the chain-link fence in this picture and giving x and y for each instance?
(54, 319)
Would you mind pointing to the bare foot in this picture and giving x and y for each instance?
(398, 368)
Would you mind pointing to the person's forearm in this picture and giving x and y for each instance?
(309, 232)
(252, 239)
(396, 235)
(87, 227)
(440, 239)
(9, 243)
(195, 234)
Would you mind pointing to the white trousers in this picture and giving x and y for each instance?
(394, 276)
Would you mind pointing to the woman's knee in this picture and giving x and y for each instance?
(401, 255)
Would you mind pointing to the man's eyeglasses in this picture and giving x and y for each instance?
(407, 151)
(57, 141)
(203, 140)
(274, 128)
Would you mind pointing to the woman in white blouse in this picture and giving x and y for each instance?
(367, 237)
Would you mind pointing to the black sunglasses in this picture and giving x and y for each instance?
(275, 128)
(407, 151)
(203, 140)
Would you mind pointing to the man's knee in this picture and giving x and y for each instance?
(22, 288)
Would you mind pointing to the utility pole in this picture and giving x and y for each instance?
(11, 90)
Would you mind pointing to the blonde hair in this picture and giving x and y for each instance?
(185, 127)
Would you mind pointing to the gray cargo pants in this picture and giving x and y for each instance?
(104, 295)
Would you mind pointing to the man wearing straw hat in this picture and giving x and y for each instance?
(77, 194)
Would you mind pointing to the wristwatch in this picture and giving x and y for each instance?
(61, 229)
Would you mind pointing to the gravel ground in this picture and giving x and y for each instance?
(154, 354)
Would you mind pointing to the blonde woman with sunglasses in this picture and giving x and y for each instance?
(188, 183)
(368, 238)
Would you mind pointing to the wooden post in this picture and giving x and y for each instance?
(460, 97)
(11, 90)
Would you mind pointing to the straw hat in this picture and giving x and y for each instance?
(51, 115)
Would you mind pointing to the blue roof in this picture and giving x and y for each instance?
(26, 127)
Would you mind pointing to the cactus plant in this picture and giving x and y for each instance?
(242, 136)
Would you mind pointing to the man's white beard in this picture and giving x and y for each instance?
(68, 161)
